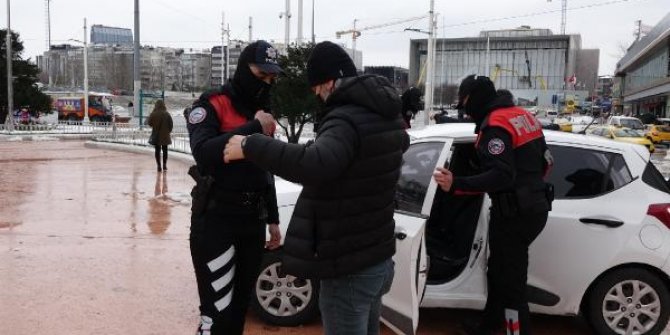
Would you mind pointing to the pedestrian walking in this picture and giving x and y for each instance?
(514, 160)
(160, 122)
(232, 203)
(342, 229)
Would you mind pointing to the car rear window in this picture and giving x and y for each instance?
(625, 133)
(586, 173)
(632, 123)
(652, 177)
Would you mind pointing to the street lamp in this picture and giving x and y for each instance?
(417, 30)
(10, 96)
(85, 69)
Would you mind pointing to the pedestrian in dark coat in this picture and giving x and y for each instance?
(160, 122)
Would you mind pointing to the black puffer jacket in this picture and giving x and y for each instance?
(343, 220)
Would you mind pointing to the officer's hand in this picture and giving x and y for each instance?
(275, 237)
(267, 122)
(444, 178)
(233, 150)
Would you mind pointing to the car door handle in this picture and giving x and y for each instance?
(602, 222)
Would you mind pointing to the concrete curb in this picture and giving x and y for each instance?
(138, 149)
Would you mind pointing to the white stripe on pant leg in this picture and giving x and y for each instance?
(225, 280)
(222, 260)
(512, 323)
(205, 325)
(224, 302)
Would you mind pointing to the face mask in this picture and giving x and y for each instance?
(254, 91)
(477, 106)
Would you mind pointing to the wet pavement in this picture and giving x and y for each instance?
(96, 242)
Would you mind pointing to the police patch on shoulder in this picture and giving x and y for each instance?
(496, 146)
(197, 115)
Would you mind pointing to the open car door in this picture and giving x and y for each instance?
(414, 199)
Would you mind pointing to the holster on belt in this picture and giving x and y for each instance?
(241, 203)
(505, 203)
(526, 199)
(549, 194)
(535, 198)
(201, 191)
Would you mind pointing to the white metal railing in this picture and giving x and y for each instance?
(123, 133)
(133, 135)
(62, 127)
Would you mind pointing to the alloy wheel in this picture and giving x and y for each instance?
(631, 307)
(282, 295)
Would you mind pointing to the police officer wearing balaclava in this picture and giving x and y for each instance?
(232, 203)
(514, 161)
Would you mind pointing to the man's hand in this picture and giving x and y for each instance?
(267, 122)
(275, 237)
(444, 178)
(233, 150)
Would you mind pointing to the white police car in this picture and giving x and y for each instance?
(603, 254)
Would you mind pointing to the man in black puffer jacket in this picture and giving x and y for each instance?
(342, 229)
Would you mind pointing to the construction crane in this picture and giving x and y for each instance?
(356, 32)
(564, 13)
(498, 70)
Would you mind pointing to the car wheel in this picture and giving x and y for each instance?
(281, 299)
(629, 301)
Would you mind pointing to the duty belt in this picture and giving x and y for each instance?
(239, 198)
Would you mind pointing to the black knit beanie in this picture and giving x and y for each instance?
(328, 61)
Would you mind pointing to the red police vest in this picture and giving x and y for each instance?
(521, 125)
(229, 118)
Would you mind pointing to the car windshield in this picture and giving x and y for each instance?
(664, 129)
(625, 133)
(632, 123)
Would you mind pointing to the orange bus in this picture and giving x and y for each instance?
(72, 108)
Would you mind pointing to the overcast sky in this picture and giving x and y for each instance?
(603, 24)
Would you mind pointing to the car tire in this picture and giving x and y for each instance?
(629, 301)
(281, 299)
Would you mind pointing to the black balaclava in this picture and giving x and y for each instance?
(254, 92)
(481, 92)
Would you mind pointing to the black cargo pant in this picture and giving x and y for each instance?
(509, 239)
(227, 251)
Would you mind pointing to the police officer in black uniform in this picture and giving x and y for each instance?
(232, 203)
(514, 160)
